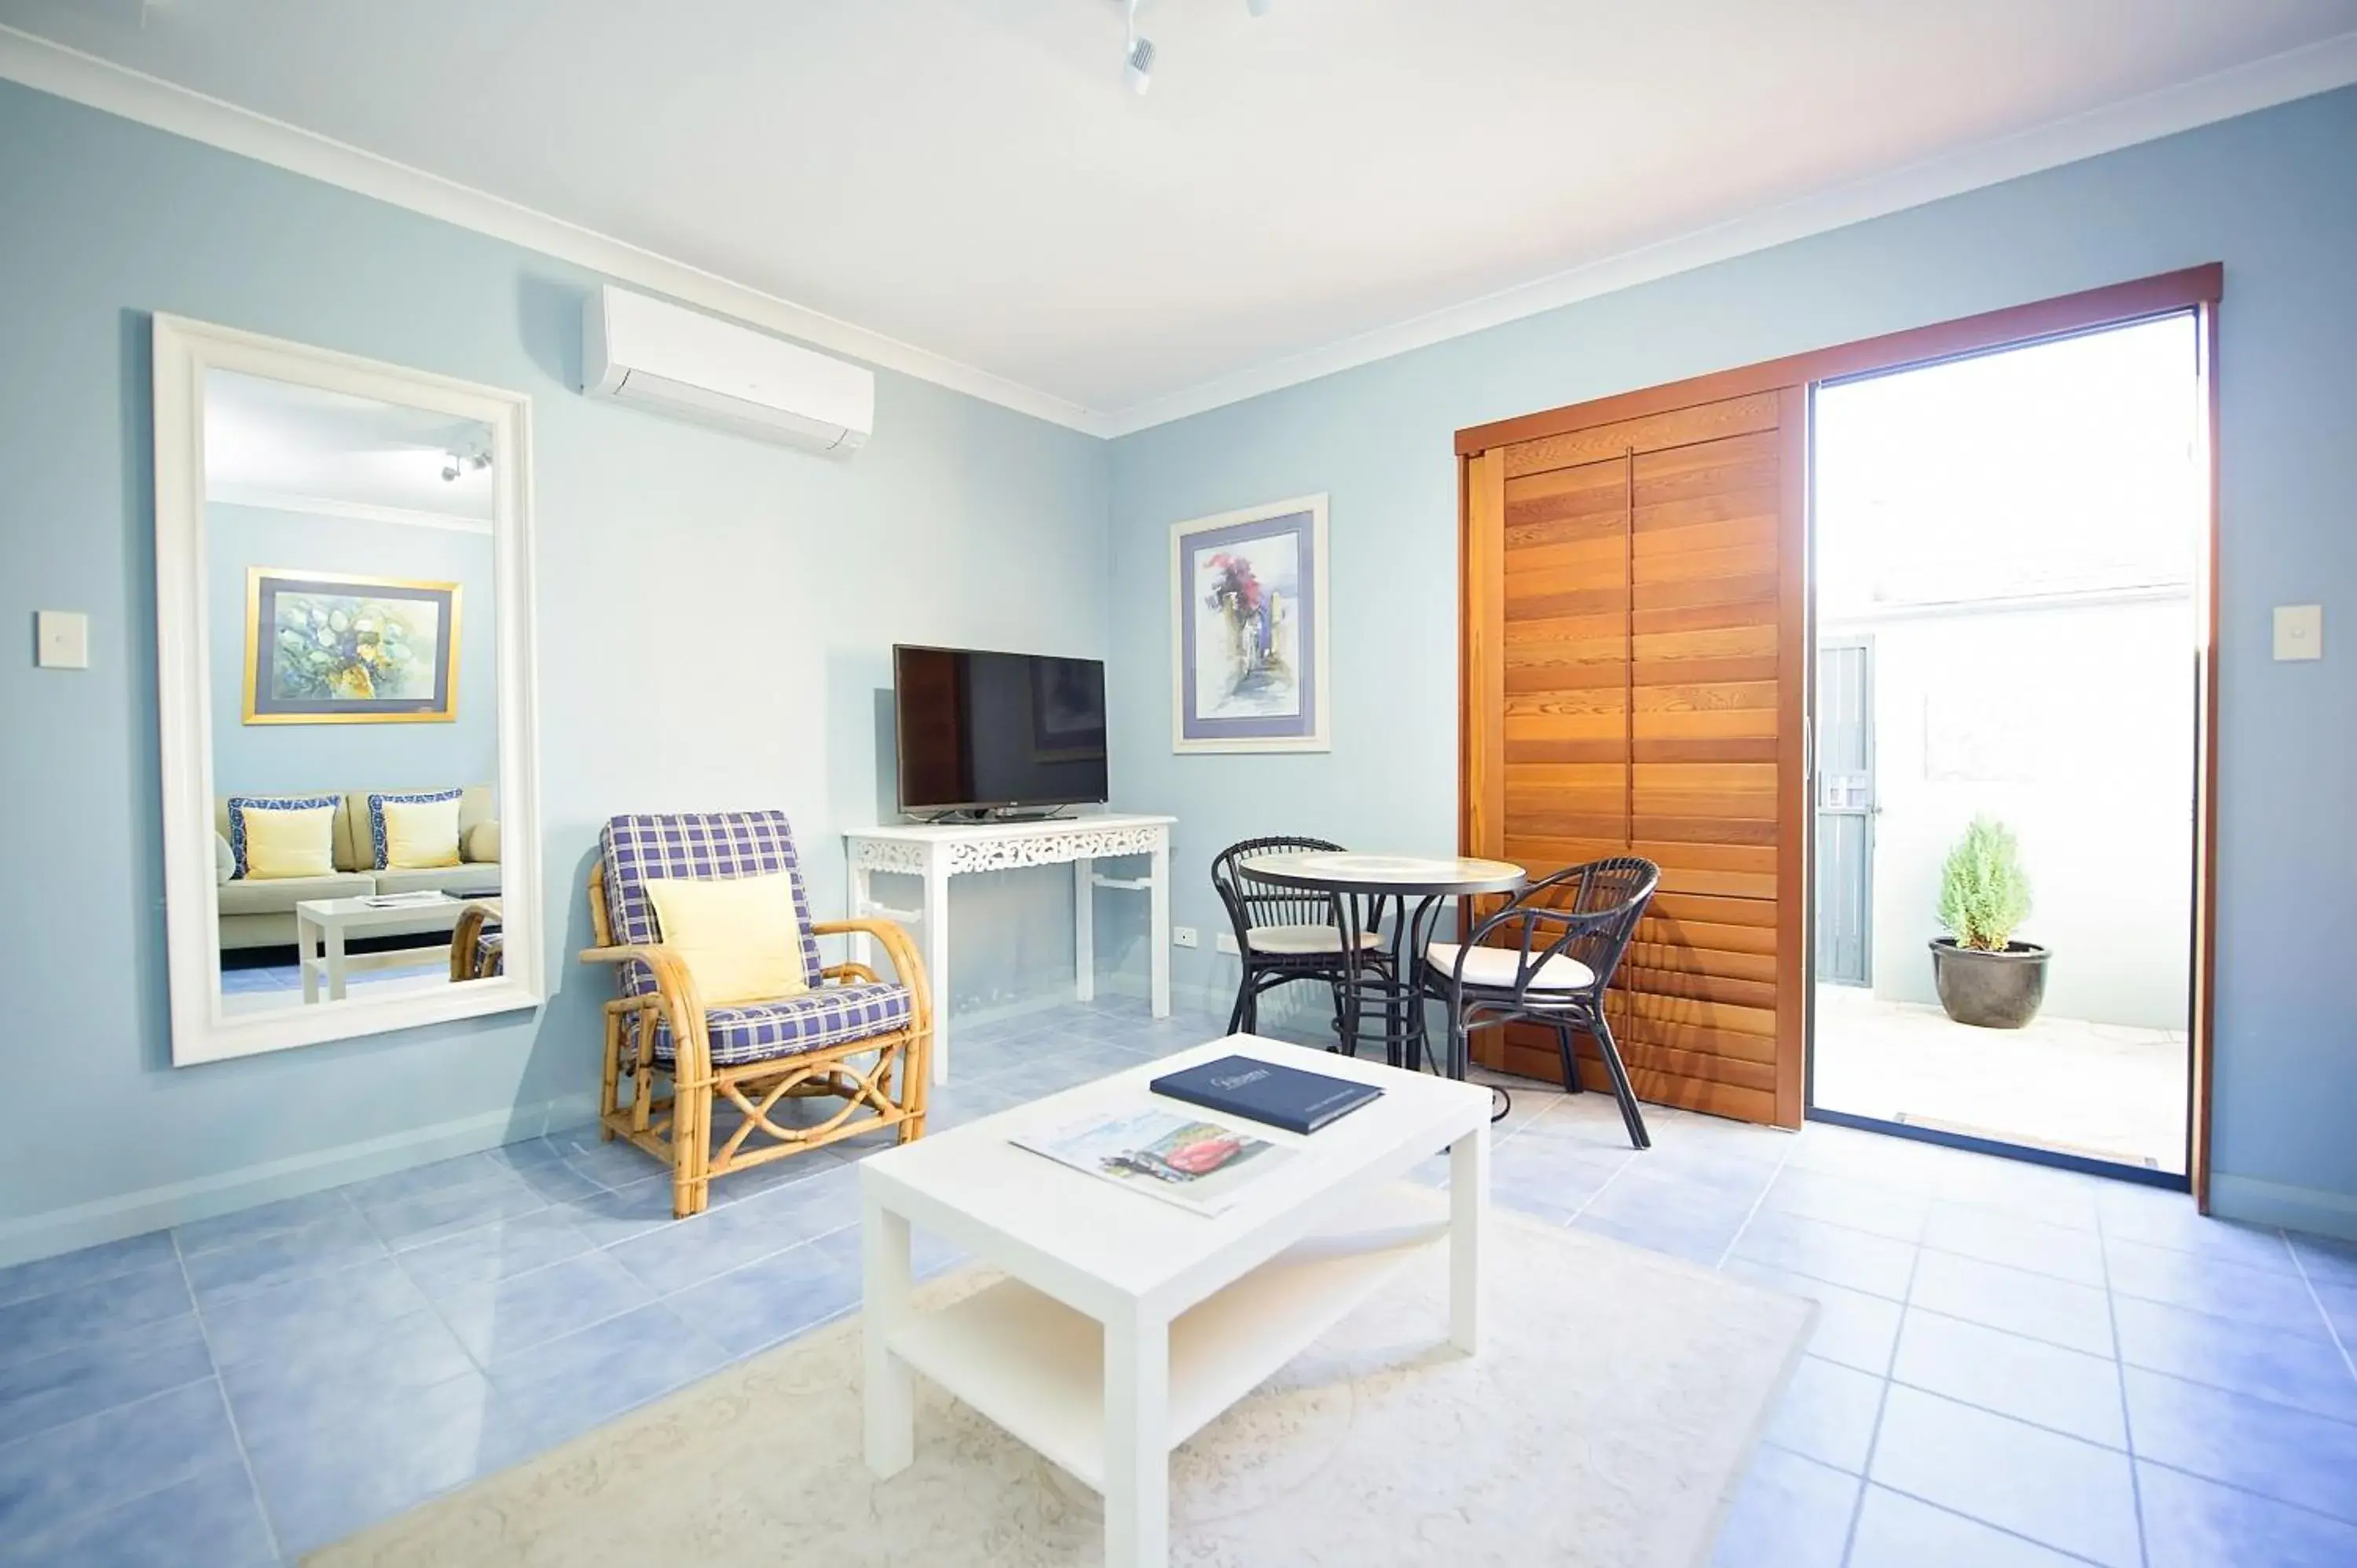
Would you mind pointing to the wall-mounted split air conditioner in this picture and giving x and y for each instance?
(698, 366)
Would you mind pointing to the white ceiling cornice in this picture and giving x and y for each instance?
(100, 84)
(2262, 84)
(151, 101)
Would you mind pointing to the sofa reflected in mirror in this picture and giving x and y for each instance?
(375, 917)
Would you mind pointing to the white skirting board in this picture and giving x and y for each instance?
(201, 1197)
(2257, 1202)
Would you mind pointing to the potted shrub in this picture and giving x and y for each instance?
(1985, 977)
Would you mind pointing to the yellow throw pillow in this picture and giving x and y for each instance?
(420, 833)
(737, 935)
(291, 842)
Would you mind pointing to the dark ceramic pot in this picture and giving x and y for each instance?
(1990, 990)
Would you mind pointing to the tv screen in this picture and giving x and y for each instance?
(981, 731)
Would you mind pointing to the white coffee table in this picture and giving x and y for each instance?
(1125, 1323)
(322, 925)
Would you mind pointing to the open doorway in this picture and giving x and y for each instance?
(2007, 557)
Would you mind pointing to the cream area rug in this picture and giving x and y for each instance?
(1614, 1404)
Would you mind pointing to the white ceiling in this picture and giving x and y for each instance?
(304, 449)
(969, 177)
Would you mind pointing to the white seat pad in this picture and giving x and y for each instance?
(1499, 966)
(1303, 938)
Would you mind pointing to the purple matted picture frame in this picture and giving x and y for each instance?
(1249, 639)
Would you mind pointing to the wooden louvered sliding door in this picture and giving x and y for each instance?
(1635, 643)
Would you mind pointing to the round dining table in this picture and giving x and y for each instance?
(1404, 892)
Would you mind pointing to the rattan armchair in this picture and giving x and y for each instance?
(671, 1062)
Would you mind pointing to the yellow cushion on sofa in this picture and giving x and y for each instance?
(291, 842)
(738, 935)
(420, 833)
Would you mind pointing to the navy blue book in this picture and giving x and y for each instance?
(1262, 1092)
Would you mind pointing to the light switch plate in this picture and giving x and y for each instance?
(62, 638)
(2299, 631)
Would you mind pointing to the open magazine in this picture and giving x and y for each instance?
(1203, 1165)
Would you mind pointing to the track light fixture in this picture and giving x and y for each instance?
(462, 463)
(1138, 54)
(1137, 61)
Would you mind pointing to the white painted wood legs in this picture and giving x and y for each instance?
(891, 1414)
(1158, 896)
(937, 962)
(1137, 1447)
(1468, 1206)
(1084, 929)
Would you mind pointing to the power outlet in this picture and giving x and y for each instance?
(1185, 937)
(1226, 942)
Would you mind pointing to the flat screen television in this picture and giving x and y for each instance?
(997, 732)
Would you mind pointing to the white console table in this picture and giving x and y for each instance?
(935, 852)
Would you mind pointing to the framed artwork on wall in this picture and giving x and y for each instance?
(1248, 630)
(326, 648)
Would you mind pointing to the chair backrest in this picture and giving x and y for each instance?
(1619, 888)
(1252, 901)
(638, 850)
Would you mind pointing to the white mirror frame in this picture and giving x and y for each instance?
(202, 1030)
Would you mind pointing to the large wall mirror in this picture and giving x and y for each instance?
(344, 617)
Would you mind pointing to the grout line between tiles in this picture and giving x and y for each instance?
(1988, 1524)
(1758, 1199)
(2330, 1328)
(229, 1409)
(1881, 1404)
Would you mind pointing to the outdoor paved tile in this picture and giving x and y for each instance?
(2058, 1491)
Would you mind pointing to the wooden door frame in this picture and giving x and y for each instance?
(1793, 377)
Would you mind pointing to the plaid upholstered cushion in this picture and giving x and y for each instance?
(830, 1016)
(490, 953)
(642, 848)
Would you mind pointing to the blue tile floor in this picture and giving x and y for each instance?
(2012, 1366)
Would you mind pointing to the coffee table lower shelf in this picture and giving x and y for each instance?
(1036, 1366)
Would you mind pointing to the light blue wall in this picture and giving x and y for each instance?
(716, 618)
(2273, 196)
(286, 759)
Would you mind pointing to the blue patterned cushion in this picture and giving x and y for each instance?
(239, 805)
(641, 849)
(376, 816)
(762, 1031)
(491, 954)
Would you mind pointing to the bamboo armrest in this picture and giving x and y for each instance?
(906, 964)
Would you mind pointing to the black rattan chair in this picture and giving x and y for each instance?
(1284, 934)
(1562, 939)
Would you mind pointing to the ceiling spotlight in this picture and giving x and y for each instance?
(1137, 68)
(462, 463)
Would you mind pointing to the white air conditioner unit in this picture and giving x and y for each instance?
(642, 350)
